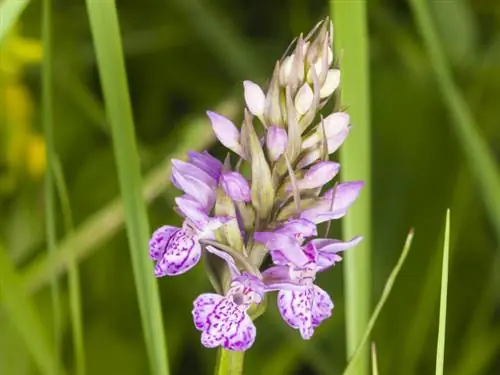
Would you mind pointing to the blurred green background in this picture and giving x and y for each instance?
(186, 56)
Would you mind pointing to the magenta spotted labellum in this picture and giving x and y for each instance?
(264, 202)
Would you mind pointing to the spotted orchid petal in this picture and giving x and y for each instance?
(278, 278)
(227, 133)
(182, 253)
(305, 310)
(159, 241)
(328, 249)
(300, 229)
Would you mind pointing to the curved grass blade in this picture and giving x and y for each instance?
(374, 359)
(443, 302)
(107, 41)
(23, 313)
(10, 11)
(383, 298)
(49, 212)
(351, 42)
(73, 272)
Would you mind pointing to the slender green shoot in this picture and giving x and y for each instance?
(48, 123)
(481, 160)
(350, 369)
(24, 315)
(229, 362)
(374, 359)
(107, 41)
(443, 302)
(73, 272)
(351, 42)
(10, 11)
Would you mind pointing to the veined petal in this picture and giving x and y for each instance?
(206, 162)
(296, 309)
(331, 83)
(254, 98)
(236, 186)
(202, 306)
(227, 133)
(318, 175)
(188, 169)
(199, 190)
(159, 241)
(322, 306)
(182, 253)
(286, 245)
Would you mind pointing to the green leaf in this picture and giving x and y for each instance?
(358, 353)
(443, 300)
(24, 315)
(262, 185)
(107, 41)
(10, 11)
(351, 42)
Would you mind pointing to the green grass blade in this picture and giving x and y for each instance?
(106, 36)
(443, 302)
(10, 11)
(22, 311)
(73, 272)
(105, 223)
(374, 359)
(479, 156)
(48, 123)
(351, 366)
(351, 43)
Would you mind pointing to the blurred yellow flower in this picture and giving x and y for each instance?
(21, 149)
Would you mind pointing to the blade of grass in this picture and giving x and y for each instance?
(22, 311)
(73, 272)
(351, 41)
(105, 223)
(443, 301)
(105, 30)
(480, 158)
(49, 212)
(374, 359)
(10, 11)
(351, 366)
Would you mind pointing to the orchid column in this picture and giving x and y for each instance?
(273, 211)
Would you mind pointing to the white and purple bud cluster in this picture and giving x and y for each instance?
(273, 210)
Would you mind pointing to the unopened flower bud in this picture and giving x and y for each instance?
(235, 186)
(255, 98)
(276, 141)
(304, 99)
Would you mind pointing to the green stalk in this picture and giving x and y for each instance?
(107, 41)
(229, 362)
(50, 221)
(351, 44)
(73, 272)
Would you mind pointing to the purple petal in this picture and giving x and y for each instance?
(182, 253)
(227, 133)
(318, 175)
(278, 278)
(276, 141)
(298, 228)
(159, 241)
(202, 306)
(206, 162)
(328, 250)
(236, 187)
(337, 140)
(322, 306)
(199, 190)
(296, 309)
(188, 169)
(193, 210)
(229, 326)
(288, 246)
(250, 286)
(228, 258)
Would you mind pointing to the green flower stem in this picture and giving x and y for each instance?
(229, 362)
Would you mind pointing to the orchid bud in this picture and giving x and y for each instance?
(276, 141)
(254, 98)
(235, 186)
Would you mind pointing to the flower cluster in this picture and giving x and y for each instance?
(267, 203)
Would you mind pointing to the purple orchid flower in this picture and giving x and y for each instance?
(302, 304)
(223, 320)
(177, 250)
